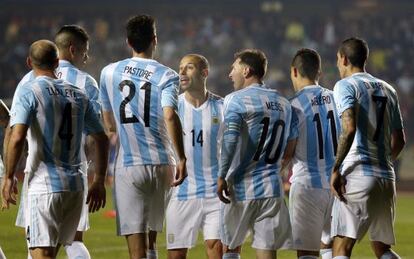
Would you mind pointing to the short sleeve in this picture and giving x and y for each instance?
(169, 90)
(294, 125)
(92, 121)
(103, 93)
(23, 107)
(345, 96)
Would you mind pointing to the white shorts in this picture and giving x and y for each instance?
(141, 195)
(21, 219)
(370, 207)
(268, 219)
(310, 215)
(185, 218)
(52, 218)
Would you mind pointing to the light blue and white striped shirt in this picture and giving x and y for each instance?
(258, 122)
(136, 90)
(377, 116)
(319, 129)
(57, 113)
(201, 127)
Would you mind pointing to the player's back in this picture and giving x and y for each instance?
(55, 133)
(379, 115)
(266, 119)
(201, 127)
(319, 129)
(136, 89)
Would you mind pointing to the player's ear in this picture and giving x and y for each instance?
(247, 71)
(29, 62)
(72, 50)
(204, 72)
(294, 71)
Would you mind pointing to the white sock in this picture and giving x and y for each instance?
(231, 256)
(341, 257)
(390, 255)
(308, 257)
(326, 253)
(29, 256)
(2, 256)
(152, 254)
(77, 250)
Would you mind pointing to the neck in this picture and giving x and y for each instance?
(64, 56)
(196, 98)
(251, 80)
(353, 70)
(303, 83)
(146, 54)
(41, 72)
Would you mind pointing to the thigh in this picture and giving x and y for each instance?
(159, 195)
(132, 187)
(308, 208)
(183, 222)
(272, 229)
(211, 218)
(236, 219)
(382, 226)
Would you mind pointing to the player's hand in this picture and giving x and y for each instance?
(222, 187)
(9, 192)
(180, 173)
(96, 196)
(338, 183)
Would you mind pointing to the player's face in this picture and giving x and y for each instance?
(236, 74)
(340, 64)
(80, 54)
(191, 76)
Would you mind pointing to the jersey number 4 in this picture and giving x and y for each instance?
(65, 128)
(133, 119)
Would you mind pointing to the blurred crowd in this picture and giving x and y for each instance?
(219, 36)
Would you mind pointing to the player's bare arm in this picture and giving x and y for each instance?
(97, 194)
(175, 131)
(345, 142)
(14, 150)
(397, 143)
(289, 152)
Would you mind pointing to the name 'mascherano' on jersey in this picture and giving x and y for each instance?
(319, 129)
(379, 115)
(57, 114)
(201, 134)
(258, 122)
(136, 90)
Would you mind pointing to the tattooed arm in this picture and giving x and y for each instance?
(345, 143)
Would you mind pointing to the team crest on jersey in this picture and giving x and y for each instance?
(215, 120)
(170, 238)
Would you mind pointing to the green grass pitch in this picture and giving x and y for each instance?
(102, 241)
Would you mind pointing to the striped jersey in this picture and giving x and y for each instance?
(201, 133)
(258, 122)
(319, 129)
(136, 90)
(80, 79)
(377, 116)
(57, 113)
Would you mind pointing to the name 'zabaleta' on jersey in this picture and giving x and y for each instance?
(201, 127)
(379, 115)
(57, 113)
(319, 129)
(258, 122)
(136, 90)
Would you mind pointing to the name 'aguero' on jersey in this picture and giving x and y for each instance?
(319, 129)
(136, 90)
(258, 122)
(57, 113)
(378, 115)
(201, 127)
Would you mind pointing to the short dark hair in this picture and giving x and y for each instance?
(140, 32)
(43, 54)
(355, 50)
(255, 59)
(202, 61)
(308, 63)
(71, 34)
